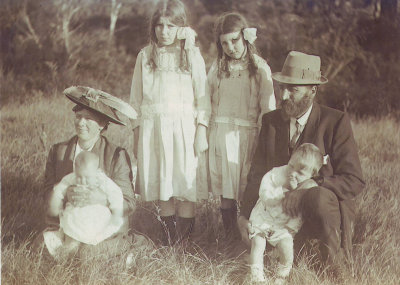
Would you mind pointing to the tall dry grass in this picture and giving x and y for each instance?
(30, 128)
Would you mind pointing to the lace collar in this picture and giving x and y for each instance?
(171, 48)
(239, 64)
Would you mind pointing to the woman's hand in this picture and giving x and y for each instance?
(80, 196)
(200, 142)
(244, 228)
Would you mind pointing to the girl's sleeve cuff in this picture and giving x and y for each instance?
(135, 123)
(202, 119)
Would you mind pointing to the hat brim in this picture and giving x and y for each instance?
(277, 76)
(86, 105)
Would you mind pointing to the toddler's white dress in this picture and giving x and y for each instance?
(267, 217)
(93, 223)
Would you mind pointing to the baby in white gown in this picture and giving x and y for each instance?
(88, 224)
(268, 220)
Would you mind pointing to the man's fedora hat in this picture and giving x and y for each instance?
(300, 68)
(99, 102)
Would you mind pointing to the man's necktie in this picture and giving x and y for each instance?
(295, 136)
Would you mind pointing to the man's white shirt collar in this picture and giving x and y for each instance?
(302, 122)
(303, 119)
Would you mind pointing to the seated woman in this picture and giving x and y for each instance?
(92, 116)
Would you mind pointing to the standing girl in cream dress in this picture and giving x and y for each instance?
(241, 91)
(168, 92)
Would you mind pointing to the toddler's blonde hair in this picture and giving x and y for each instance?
(309, 155)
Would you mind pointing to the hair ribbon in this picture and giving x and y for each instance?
(187, 34)
(249, 34)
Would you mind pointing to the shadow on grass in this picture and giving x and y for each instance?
(22, 206)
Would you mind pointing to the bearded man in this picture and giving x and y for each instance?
(328, 211)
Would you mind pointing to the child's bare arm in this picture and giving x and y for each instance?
(270, 193)
(265, 186)
(56, 200)
(55, 205)
(116, 208)
(116, 216)
(115, 201)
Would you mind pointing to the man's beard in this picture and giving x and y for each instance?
(295, 110)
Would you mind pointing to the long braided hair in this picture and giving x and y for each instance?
(174, 10)
(229, 23)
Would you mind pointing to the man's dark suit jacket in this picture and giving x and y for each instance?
(330, 130)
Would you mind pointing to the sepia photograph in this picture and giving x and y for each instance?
(200, 142)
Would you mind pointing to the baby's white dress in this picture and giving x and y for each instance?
(93, 223)
(170, 103)
(267, 217)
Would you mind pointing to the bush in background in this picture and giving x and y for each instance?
(48, 45)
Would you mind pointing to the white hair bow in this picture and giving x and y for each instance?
(187, 34)
(249, 34)
(325, 159)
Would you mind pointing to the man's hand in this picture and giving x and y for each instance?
(244, 227)
(291, 202)
(80, 197)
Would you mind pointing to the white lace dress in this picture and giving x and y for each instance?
(93, 223)
(267, 217)
(170, 103)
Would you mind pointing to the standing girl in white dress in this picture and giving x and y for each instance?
(168, 92)
(241, 91)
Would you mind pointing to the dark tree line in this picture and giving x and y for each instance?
(47, 45)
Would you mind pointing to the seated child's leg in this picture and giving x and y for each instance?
(258, 244)
(285, 248)
(53, 240)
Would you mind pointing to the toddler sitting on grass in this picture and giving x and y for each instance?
(268, 220)
(89, 224)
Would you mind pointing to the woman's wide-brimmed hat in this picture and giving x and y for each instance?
(302, 69)
(101, 103)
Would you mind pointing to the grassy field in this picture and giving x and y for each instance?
(27, 132)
